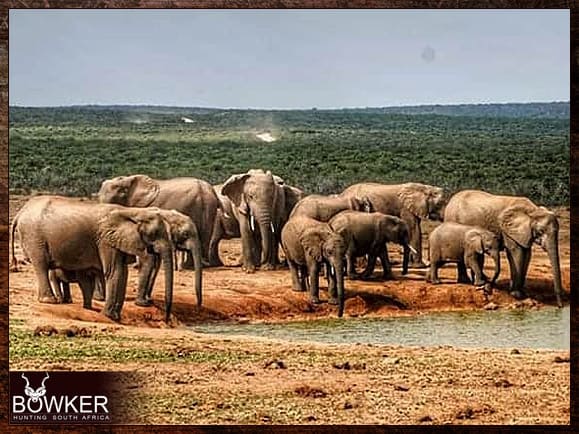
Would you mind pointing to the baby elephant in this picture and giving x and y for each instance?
(88, 280)
(368, 233)
(307, 244)
(466, 246)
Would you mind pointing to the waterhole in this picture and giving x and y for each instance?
(547, 328)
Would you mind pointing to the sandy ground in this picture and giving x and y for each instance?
(382, 385)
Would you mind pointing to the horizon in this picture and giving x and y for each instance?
(290, 108)
(287, 60)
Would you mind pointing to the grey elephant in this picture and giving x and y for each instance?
(519, 223)
(368, 234)
(185, 238)
(412, 202)
(323, 208)
(61, 279)
(191, 196)
(466, 246)
(226, 225)
(61, 233)
(308, 244)
(259, 204)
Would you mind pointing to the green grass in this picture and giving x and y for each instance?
(71, 151)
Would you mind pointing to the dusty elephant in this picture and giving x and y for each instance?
(369, 233)
(519, 223)
(411, 202)
(323, 208)
(308, 244)
(259, 205)
(193, 197)
(185, 238)
(466, 246)
(226, 225)
(61, 233)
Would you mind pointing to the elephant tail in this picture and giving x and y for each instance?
(13, 261)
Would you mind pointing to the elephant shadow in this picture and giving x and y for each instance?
(373, 301)
(186, 313)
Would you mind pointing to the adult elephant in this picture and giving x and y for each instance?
(308, 244)
(185, 238)
(412, 202)
(323, 208)
(61, 233)
(226, 226)
(193, 197)
(259, 205)
(519, 222)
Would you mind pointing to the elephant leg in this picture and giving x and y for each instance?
(525, 267)
(386, 267)
(216, 237)
(432, 275)
(351, 266)
(370, 267)
(45, 294)
(116, 285)
(296, 279)
(462, 274)
(87, 285)
(99, 288)
(313, 269)
(247, 246)
(146, 275)
(66, 296)
(517, 258)
(304, 281)
(473, 262)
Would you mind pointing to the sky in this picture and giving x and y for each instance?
(287, 59)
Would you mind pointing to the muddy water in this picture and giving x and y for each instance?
(547, 328)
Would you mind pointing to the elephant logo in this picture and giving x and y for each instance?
(35, 394)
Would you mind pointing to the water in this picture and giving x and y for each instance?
(547, 328)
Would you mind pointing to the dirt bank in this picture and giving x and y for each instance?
(233, 295)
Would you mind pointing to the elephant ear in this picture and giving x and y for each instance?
(292, 196)
(355, 204)
(312, 243)
(414, 198)
(473, 240)
(144, 190)
(233, 189)
(120, 229)
(516, 224)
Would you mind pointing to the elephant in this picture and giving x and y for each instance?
(307, 244)
(185, 238)
(190, 196)
(61, 279)
(226, 224)
(467, 246)
(323, 208)
(411, 202)
(260, 200)
(519, 223)
(60, 233)
(369, 233)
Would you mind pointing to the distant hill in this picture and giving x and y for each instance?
(558, 110)
(555, 110)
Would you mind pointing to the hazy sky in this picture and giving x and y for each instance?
(287, 59)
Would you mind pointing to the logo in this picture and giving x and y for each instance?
(66, 401)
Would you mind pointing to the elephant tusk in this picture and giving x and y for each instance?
(272, 228)
(332, 271)
(252, 223)
(412, 249)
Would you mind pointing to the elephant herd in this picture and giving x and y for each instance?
(179, 223)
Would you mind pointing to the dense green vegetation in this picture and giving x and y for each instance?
(71, 150)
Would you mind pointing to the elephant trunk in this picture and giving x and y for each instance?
(339, 271)
(552, 249)
(405, 259)
(497, 259)
(167, 257)
(195, 250)
(266, 231)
